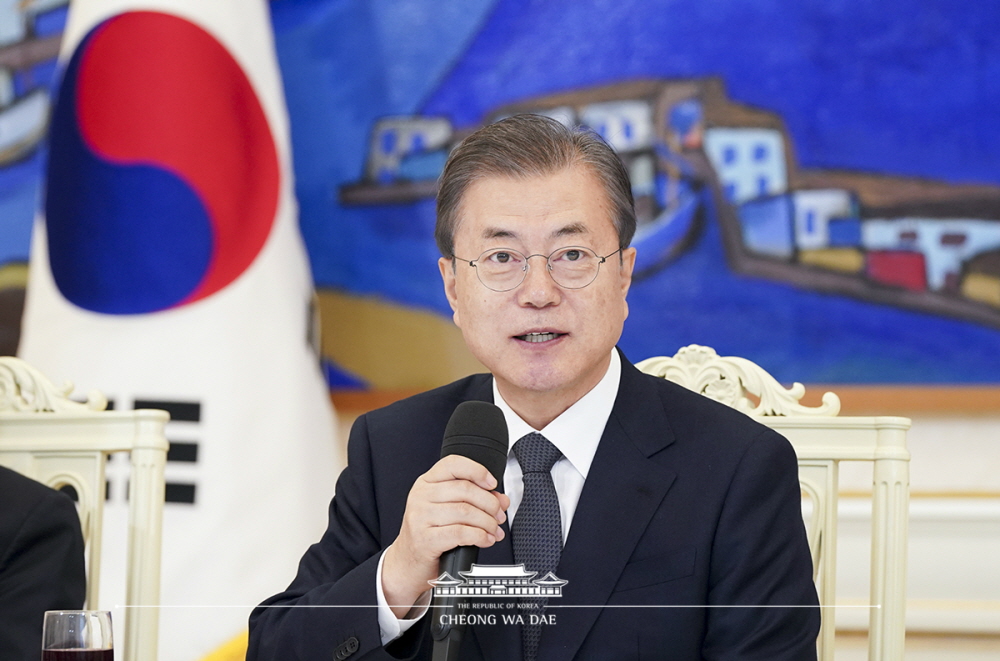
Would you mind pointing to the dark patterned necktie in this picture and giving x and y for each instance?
(536, 532)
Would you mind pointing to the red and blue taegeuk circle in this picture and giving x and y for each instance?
(163, 175)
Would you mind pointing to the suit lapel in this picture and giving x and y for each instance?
(621, 494)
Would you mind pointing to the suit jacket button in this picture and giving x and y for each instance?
(346, 649)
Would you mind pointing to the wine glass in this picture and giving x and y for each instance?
(77, 636)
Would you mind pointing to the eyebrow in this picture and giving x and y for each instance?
(573, 229)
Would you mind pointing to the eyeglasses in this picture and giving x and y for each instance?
(503, 269)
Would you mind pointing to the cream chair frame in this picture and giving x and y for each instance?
(822, 439)
(59, 442)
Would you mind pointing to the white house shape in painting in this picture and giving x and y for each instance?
(945, 243)
(750, 162)
(626, 125)
(813, 211)
(393, 138)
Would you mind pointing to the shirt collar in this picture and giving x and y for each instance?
(576, 431)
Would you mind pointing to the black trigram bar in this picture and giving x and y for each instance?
(179, 493)
(179, 411)
(183, 451)
(174, 492)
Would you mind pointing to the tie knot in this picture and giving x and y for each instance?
(535, 453)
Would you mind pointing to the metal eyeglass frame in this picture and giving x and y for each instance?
(527, 264)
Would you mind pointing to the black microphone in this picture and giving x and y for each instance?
(476, 430)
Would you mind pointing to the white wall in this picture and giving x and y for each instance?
(954, 550)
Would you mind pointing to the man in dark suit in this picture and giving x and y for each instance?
(41, 562)
(681, 532)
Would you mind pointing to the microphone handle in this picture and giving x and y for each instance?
(447, 648)
(444, 607)
(447, 635)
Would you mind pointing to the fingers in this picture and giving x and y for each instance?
(457, 467)
(459, 497)
(453, 504)
(504, 502)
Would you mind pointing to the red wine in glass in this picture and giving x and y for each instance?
(78, 655)
(77, 636)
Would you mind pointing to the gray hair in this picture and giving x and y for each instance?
(525, 146)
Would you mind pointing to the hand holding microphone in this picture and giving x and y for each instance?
(454, 504)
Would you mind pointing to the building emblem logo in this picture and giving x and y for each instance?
(498, 581)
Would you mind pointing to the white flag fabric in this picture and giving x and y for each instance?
(167, 270)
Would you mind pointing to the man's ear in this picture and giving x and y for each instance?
(447, 268)
(627, 264)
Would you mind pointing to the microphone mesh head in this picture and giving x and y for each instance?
(478, 430)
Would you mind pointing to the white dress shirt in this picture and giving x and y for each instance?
(576, 432)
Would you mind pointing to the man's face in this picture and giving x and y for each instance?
(539, 339)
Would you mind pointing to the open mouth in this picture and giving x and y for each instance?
(538, 337)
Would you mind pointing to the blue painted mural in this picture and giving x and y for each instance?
(836, 90)
(818, 182)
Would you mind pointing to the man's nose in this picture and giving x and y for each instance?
(538, 289)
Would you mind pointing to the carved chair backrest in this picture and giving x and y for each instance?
(822, 439)
(63, 443)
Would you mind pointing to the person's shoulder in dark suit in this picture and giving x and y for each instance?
(41, 562)
(743, 477)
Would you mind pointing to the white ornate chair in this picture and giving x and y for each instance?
(59, 442)
(822, 439)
